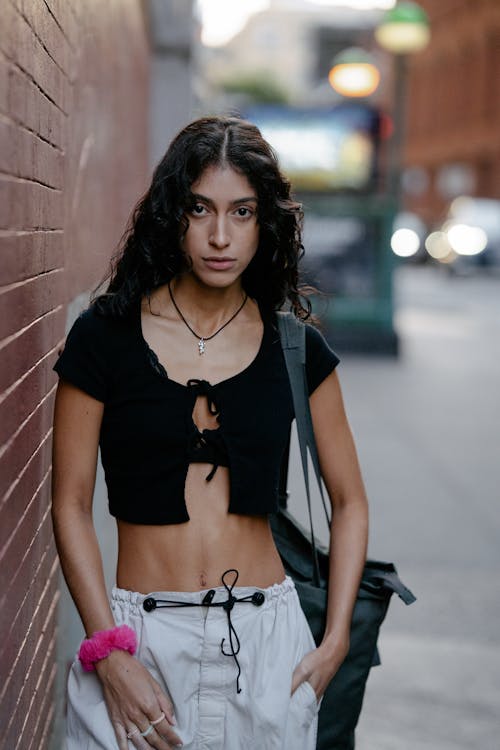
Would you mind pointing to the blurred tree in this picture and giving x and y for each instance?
(256, 88)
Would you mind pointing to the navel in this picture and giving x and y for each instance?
(203, 579)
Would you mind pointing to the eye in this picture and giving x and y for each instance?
(244, 212)
(198, 209)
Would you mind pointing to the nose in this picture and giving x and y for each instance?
(219, 235)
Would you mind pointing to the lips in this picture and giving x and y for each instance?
(219, 264)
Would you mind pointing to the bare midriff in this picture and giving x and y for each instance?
(192, 556)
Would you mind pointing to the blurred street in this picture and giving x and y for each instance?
(427, 428)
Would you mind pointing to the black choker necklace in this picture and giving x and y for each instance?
(203, 339)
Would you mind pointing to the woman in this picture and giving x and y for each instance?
(177, 373)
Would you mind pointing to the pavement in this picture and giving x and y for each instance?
(427, 429)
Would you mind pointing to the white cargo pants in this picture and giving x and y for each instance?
(181, 647)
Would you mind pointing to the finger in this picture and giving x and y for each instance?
(296, 681)
(163, 727)
(151, 739)
(299, 675)
(138, 741)
(165, 704)
(167, 733)
(121, 735)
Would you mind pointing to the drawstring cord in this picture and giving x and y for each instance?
(257, 599)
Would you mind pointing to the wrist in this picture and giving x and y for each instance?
(103, 643)
(335, 644)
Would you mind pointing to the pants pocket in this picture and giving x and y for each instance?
(303, 704)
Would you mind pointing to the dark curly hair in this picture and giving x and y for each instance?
(150, 254)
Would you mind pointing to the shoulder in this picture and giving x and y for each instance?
(90, 352)
(321, 359)
(92, 325)
(314, 338)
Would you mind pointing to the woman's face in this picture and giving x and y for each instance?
(223, 233)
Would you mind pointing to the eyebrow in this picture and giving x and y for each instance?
(238, 201)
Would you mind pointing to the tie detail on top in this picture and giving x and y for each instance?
(207, 446)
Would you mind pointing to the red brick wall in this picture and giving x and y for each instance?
(73, 160)
(454, 98)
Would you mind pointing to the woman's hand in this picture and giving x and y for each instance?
(318, 667)
(135, 700)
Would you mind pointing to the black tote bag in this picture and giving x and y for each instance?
(306, 561)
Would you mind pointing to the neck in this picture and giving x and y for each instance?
(205, 307)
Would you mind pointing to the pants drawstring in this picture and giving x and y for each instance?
(257, 599)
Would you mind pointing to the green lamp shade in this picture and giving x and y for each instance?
(404, 29)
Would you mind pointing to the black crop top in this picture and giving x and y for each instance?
(148, 437)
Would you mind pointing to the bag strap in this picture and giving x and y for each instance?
(293, 342)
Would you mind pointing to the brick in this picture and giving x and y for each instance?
(26, 599)
(23, 398)
(25, 632)
(26, 301)
(26, 712)
(23, 706)
(46, 30)
(23, 154)
(66, 20)
(28, 576)
(20, 542)
(28, 206)
(22, 491)
(4, 85)
(23, 102)
(20, 352)
(21, 46)
(37, 734)
(27, 254)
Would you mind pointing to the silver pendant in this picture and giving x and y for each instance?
(201, 346)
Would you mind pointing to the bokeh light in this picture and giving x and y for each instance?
(354, 79)
(405, 243)
(438, 247)
(467, 240)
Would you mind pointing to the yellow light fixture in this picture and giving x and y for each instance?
(404, 29)
(354, 73)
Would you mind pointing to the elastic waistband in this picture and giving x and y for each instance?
(134, 599)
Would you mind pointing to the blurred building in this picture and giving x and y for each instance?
(453, 122)
(289, 46)
(173, 31)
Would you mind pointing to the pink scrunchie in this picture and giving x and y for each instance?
(103, 642)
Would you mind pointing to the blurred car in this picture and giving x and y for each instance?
(408, 236)
(469, 236)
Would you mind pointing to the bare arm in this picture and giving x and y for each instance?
(132, 695)
(349, 533)
(77, 421)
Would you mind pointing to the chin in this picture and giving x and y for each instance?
(217, 279)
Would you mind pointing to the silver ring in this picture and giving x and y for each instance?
(133, 733)
(148, 731)
(157, 721)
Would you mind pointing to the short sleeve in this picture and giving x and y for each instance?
(321, 360)
(84, 361)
